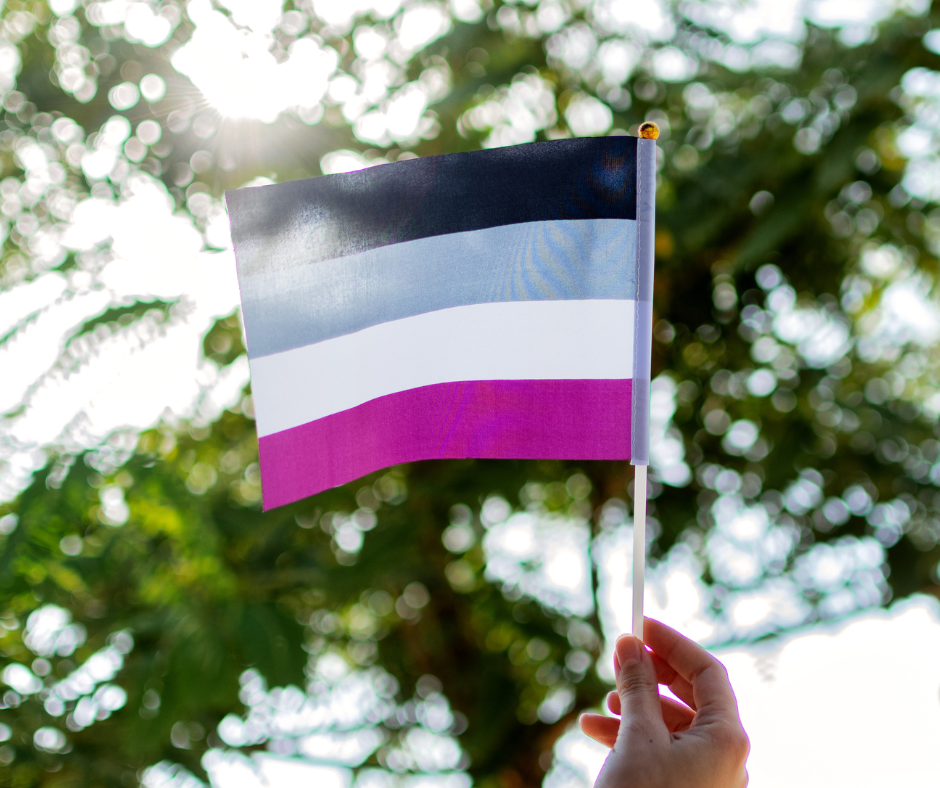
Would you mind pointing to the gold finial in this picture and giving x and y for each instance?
(649, 131)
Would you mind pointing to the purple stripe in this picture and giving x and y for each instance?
(497, 419)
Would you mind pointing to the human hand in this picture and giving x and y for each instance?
(659, 742)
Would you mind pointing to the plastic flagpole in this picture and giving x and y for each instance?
(639, 547)
(643, 340)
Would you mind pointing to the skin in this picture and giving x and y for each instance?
(659, 742)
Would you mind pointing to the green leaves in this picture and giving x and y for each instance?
(223, 342)
(115, 318)
(802, 398)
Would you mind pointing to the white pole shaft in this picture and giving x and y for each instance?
(639, 547)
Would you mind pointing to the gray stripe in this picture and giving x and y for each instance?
(285, 308)
(643, 332)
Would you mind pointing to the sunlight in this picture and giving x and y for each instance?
(237, 72)
(234, 63)
(155, 254)
(95, 238)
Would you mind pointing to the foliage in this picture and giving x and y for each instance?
(790, 391)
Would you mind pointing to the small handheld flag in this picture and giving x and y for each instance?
(488, 304)
(494, 304)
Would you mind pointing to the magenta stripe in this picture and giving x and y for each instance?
(498, 419)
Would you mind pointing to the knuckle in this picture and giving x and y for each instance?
(634, 682)
(713, 666)
(736, 743)
(722, 670)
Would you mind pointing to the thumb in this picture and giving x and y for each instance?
(637, 687)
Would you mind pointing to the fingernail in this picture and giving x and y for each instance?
(628, 649)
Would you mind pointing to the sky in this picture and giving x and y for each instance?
(78, 398)
(854, 702)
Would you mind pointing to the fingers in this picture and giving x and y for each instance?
(600, 728)
(711, 691)
(667, 675)
(613, 702)
(637, 687)
(677, 716)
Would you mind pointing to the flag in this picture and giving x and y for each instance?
(493, 304)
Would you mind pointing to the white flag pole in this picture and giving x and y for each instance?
(639, 547)
(643, 339)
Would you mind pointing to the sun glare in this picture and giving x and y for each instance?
(236, 71)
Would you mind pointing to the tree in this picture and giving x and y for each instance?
(148, 604)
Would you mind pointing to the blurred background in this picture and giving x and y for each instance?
(441, 625)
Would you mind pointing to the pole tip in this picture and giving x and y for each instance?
(649, 131)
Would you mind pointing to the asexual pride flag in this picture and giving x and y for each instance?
(487, 304)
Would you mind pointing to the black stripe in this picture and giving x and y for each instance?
(338, 215)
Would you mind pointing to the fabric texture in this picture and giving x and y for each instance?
(480, 304)
(537, 261)
(502, 419)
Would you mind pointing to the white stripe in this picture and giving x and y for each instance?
(512, 340)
